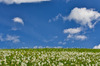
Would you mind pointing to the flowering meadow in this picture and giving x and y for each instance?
(50, 57)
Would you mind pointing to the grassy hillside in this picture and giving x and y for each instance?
(50, 57)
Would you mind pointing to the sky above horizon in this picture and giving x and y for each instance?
(49, 23)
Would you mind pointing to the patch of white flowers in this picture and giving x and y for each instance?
(48, 58)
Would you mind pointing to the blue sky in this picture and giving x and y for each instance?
(50, 23)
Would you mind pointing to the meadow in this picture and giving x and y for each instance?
(50, 57)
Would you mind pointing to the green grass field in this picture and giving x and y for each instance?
(50, 57)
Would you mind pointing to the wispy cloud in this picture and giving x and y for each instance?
(50, 40)
(21, 1)
(13, 39)
(1, 37)
(62, 43)
(59, 16)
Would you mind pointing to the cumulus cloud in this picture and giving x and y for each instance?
(14, 39)
(84, 16)
(96, 47)
(72, 30)
(18, 20)
(21, 1)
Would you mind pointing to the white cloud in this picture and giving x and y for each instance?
(96, 47)
(21, 1)
(84, 16)
(77, 37)
(14, 39)
(73, 30)
(18, 20)
(80, 37)
(73, 33)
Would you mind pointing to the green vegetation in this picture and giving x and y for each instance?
(50, 57)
